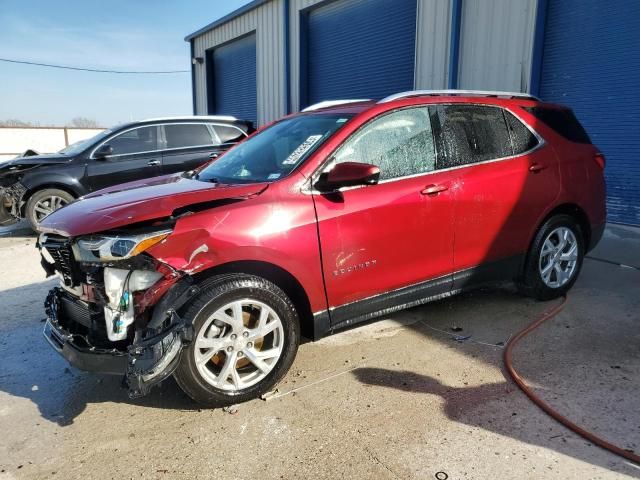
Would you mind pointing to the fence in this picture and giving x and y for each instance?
(15, 140)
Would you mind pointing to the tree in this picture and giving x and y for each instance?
(14, 122)
(83, 122)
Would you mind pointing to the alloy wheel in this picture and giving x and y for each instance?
(47, 206)
(558, 257)
(239, 345)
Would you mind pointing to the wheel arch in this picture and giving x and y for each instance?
(577, 213)
(32, 190)
(573, 211)
(275, 274)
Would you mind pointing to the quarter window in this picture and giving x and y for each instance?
(469, 134)
(187, 135)
(521, 137)
(399, 143)
(229, 134)
(138, 140)
(563, 121)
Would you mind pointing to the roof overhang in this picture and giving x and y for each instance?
(236, 13)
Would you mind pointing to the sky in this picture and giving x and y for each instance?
(117, 35)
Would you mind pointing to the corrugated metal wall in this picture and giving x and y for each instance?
(432, 44)
(495, 48)
(358, 49)
(294, 47)
(591, 63)
(496, 41)
(267, 21)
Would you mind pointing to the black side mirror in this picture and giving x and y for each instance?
(348, 174)
(103, 152)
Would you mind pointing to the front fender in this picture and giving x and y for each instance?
(50, 177)
(282, 234)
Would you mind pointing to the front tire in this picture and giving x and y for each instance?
(246, 335)
(554, 259)
(44, 202)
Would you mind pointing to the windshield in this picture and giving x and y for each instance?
(275, 152)
(78, 147)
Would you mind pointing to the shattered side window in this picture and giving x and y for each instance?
(399, 143)
(521, 137)
(469, 134)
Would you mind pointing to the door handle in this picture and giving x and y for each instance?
(153, 163)
(536, 167)
(214, 155)
(434, 189)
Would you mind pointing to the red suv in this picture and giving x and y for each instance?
(326, 218)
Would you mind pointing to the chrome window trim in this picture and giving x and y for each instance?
(91, 157)
(309, 190)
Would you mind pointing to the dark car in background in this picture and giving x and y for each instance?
(33, 187)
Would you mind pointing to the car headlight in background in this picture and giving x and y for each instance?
(108, 248)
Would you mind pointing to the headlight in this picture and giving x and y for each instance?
(107, 248)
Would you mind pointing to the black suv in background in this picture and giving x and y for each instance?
(33, 187)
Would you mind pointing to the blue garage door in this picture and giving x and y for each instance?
(358, 49)
(232, 73)
(591, 62)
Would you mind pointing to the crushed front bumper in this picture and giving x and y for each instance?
(144, 364)
(11, 202)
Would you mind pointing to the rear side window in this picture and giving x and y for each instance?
(228, 134)
(521, 137)
(187, 135)
(138, 140)
(400, 143)
(563, 121)
(469, 134)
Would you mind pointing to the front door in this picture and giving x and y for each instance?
(389, 243)
(135, 156)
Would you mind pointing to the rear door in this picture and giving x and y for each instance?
(505, 180)
(393, 236)
(136, 155)
(187, 146)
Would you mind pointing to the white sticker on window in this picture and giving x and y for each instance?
(341, 120)
(301, 150)
(273, 176)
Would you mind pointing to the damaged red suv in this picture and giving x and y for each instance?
(326, 218)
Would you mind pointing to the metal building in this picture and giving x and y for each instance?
(273, 57)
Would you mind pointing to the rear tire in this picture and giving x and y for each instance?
(246, 336)
(44, 202)
(554, 259)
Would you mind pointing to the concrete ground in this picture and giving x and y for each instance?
(399, 398)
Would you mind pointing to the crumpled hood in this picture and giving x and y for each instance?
(139, 201)
(26, 162)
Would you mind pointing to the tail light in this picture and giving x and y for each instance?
(600, 160)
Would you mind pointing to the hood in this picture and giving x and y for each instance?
(26, 162)
(139, 201)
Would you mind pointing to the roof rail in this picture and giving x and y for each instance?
(331, 103)
(228, 118)
(481, 93)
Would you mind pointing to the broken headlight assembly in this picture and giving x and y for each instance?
(111, 248)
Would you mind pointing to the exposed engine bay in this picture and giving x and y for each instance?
(115, 309)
